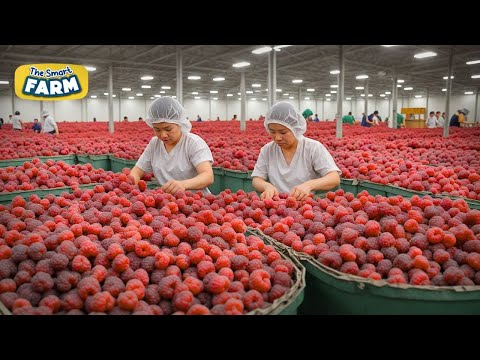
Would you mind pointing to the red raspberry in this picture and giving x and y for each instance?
(127, 300)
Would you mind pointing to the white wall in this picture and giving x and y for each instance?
(71, 110)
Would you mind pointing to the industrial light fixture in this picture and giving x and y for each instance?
(361, 77)
(147, 77)
(241, 64)
(425, 54)
(194, 77)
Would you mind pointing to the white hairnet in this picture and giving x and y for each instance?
(284, 113)
(167, 109)
(45, 113)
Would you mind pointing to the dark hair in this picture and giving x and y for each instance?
(431, 112)
(17, 112)
(375, 112)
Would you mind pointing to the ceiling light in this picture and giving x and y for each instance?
(446, 77)
(213, 91)
(126, 89)
(241, 64)
(398, 85)
(291, 97)
(278, 90)
(196, 97)
(106, 94)
(370, 95)
(262, 50)
(310, 90)
(249, 92)
(286, 94)
(329, 99)
(360, 77)
(362, 94)
(239, 99)
(408, 88)
(307, 98)
(257, 91)
(333, 91)
(162, 92)
(195, 93)
(4, 82)
(444, 89)
(146, 86)
(328, 94)
(473, 77)
(114, 95)
(334, 86)
(297, 81)
(166, 87)
(219, 79)
(473, 62)
(278, 47)
(229, 94)
(157, 96)
(151, 98)
(93, 96)
(418, 96)
(174, 97)
(400, 81)
(194, 77)
(389, 45)
(264, 99)
(382, 95)
(215, 98)
(468, 92)
(147, 77)
(425, 54)
(256, 85)
(90, 68)
(139, 94)
(359, 87)
(387, 92)
(334, 72)
(131, 97)
(253, 99)
(349, 98)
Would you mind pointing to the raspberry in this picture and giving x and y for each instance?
(127, 300)
(7, 285)
(205, 267)
(215, 283)
(276, 292)
(143, 248)
(435, 235)
(420, 278)
(36, 251)
(59, 262)
(253, 300)
(233, 307)
(42, 282)
(88, 286)
(194, 285)
(120, 263)
(183, 300)
(101, 302)
(198, 309)
(473, 259)
(166, 286)
(113, 285)
(81, 264)
(386, 240)
(349, 267)
(138, 208)
(260, 280)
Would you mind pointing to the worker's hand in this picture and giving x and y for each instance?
(172, 186)
(269, 193)
(301, 192)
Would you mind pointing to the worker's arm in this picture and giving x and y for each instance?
(327, 182)
(266, 189)
(202, 180)
(137, 174)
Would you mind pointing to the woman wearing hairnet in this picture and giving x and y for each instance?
(292, 163)
(178, 159)
(49, 124)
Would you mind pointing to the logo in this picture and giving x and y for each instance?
(51, 82)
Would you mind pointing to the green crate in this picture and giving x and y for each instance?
(97, 161)
(332, 292)
(69, 159)
(372, 188)
(218, 182)
(237, 180)
(118, 164)
(290, 302)
(393, 190)
(473, 204)
(7, 197)
(349, 185)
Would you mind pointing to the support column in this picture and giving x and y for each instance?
(475, 119)
(341, 79)
(179, 75)
(226, 107)
(243, 112)
(449, 93)
(111, 127)
(366, 98)
(393, 123)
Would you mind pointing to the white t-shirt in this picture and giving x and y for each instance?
(440, 122)
(16, 122)
(48, 124)
(180, 163)
(431, 122)
(311, 161)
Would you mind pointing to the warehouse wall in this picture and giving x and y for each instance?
(71, 110)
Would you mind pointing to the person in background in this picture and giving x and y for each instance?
(9, 119)
(140, 119)
(1, 122)
(431, 121)
(49, 124)
(37, 127)
(199, 118)
(458, 117)
(348, 119)
(374, 117)
(444, 115)
(261, 118)
(292, 163)
(316, 118)
(179, 160)
(218, 118)
(400, 121)
(307, 113)
(367, 121)
(125, 118)
(17, 122)
(234, 117)
(94, 119)
(440, 120)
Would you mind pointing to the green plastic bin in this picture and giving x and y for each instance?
(97, 161)
(219, 182)
(349, 185)
(7, 197)
(238, 180)
(118, 164)
(289, 303)
(69, 159)
(393, 190)
(372, 188)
